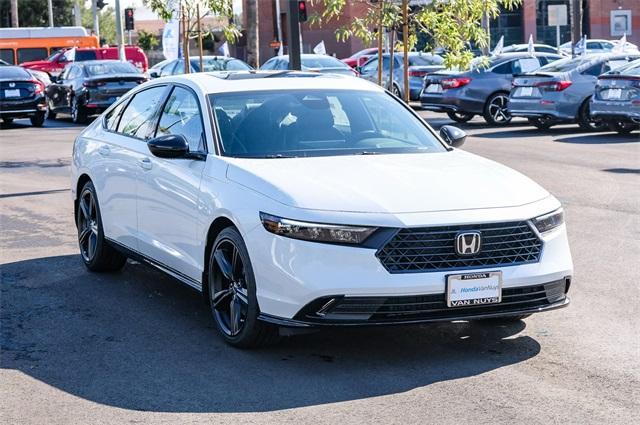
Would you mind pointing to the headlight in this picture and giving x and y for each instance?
(546, 223)
(317, 232)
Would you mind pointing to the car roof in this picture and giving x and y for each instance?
(303, 55)
(246, 81)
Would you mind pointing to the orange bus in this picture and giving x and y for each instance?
(18, 45)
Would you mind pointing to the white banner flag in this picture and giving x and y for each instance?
(171, 34)
(320, 49)
(224, 49)
(498, 49)
(530, 48)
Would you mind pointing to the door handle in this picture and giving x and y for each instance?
(145, 163)
(104, 150)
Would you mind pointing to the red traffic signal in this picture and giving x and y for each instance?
(302, 11)
(128, 19)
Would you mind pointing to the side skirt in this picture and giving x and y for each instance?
(158, 265)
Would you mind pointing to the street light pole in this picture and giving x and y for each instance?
(50, 8)
(294, 36)
(96, 20)
(119, 33)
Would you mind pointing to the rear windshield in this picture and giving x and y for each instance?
(423, 60)
(111, 68)
(564, 65)
(9, 72)
(307, 123)
(220, 64)
(632, 69)
(323, 62)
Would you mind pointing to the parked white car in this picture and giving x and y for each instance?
(305, 200)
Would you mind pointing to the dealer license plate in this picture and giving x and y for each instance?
(12, 93)
(474, 289)
(434, 88)
(526, 91)
(614, 94)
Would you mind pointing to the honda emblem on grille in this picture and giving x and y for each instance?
(12, 84)
(468, 243)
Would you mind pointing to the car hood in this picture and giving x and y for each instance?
(398, 183)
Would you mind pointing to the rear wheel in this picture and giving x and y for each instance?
(541, 123)
(585, 121)
(396, 91)
(96, 253)
(622, 127)
(50, 114)
(7, 120)
(78, 112)
(460, 116)
(495, 110)
(37, 120)
(232, 294)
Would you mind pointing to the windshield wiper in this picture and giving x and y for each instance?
(367, 153)
(279, 155)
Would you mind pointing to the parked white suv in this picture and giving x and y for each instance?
(301, 200)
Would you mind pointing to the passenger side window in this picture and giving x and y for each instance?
(111, 120)
(504, 68)
(594, 70)
(181, 115)
(138, 119)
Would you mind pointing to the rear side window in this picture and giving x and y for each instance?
(85, 55)
(139, 117)
(7, 56)
(32, 54)
(504, 68)
(594, 70)
(181, 115)
(112, 118)
(524, 65)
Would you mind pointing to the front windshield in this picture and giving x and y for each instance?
(293, 123)
(53, 55)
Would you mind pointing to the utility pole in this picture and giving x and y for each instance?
(405, 47)
(576, 24)
(14, 14)
(96, 20)
(119, 33)
(253, 37)
(77, 14)
(50, 8)
(380, 35)
(294, 36)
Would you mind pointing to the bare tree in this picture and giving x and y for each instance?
(14, 14)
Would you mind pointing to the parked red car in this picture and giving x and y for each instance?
(55, 63)
(359, 58)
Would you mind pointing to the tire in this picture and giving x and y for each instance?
(37, 120)
(96, 253)
(232, 294)
(622, 127)
(50, 114)
(7, 120)
(584, 118)
(78, 112)
(541, 123)
(396, 91)
(460, 116)
(495, 110)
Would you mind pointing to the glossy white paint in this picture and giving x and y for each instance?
(175, 202)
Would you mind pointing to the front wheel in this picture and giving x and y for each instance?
(232, 294)
(495, 110)
(585, 121)
(96, 253)
(78, 112)
(460, 117)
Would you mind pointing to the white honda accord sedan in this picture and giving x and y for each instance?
(296, 201)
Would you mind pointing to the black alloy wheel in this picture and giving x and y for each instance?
(622, 127)
(97, 255)
(586, 122)
(232, 293)
(78, 112)
(460, 117)
(51, 115)
(396, 91)
(495, 111)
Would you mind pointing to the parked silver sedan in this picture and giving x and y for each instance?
(560, 92)
(616, 99)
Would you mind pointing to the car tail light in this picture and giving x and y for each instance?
(554, 85)
(417, 73)
(38, 87)
(93, 83)
(454, 83)
(636, 103)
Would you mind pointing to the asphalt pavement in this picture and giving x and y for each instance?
(137, 346)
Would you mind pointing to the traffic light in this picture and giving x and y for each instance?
(100, 4)
(128, 19)
(302, 11)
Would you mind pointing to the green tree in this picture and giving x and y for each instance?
(146, 40)
(34, 13)
(450, 24)
(106, 20)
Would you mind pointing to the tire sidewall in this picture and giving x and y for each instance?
(487, 114)
(100, 242)
(253, 311)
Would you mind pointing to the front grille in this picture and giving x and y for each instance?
(342, 309)
(433, 248)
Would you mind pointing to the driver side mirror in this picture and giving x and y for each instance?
(154, 73)
(453, 135)
(173, 146)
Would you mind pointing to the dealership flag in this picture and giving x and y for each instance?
(224, 49)
(622, 44)
(498, 49)
(581, 46)
(320, 49)
(530, 48)
(171, 34)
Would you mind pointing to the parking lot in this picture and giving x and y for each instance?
(137, 346)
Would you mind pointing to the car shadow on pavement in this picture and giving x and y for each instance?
(601, 138)
(139, 340)
(48, 124)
